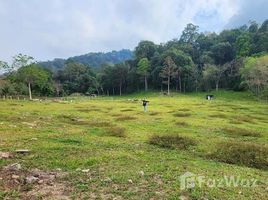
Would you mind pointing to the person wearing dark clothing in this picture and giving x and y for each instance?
(144, 104)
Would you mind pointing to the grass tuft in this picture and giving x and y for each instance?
(115, 131)
(184, 109)
(171, 141)
(125, 118)
(182, 114)
(218, 115)
(233, 131)
(181, 124)
(242, 153)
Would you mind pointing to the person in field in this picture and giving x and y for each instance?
(144, 104)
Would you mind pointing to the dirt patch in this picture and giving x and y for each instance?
(33, 184)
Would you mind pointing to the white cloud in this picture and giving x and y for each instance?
(62, 28)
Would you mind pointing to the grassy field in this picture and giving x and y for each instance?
(108, 148)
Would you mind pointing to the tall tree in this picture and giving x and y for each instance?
(213, 73)
(120, 74)
(255, 74)
(143, 70)
(33, 75)
(169, 71)
(189, 34)
(145, 49)
(21, 60)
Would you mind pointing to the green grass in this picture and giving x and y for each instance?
(112, 137)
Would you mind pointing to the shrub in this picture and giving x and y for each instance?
(171, 141)
(242, 153)
(233, 131)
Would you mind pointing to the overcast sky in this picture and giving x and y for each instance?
(47, 29)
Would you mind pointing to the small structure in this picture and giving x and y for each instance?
(209, 97)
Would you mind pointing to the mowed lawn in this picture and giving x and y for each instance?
(103, 144)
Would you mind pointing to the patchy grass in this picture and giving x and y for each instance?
(107, 153)
(242, 153)
(233, 131)
(171, 141)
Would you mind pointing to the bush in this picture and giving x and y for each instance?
(233, 131)
(171, 141)
(242, 153)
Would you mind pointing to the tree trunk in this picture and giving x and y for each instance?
(180, 82)
(217, 86)
(196, 83)
(145, 83)
(184, 86)
(30, 91)
(168, 84)
(113, 91)
(120, 89)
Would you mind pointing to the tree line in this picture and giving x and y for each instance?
(234, 59)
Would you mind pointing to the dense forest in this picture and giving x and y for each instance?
(234, 59)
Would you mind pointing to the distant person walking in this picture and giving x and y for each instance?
(144, 104)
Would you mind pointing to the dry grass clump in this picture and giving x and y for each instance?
(89, 110)
(182, 114)
(96, 123)
(218, 115)
(153, 113)
(242, 153)
(171, 141)
(244, 118)
(115, 131)
(126, 110)
(125, 118)
(233, 131)
(181, 124)
(70, 119)
(184, 109)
